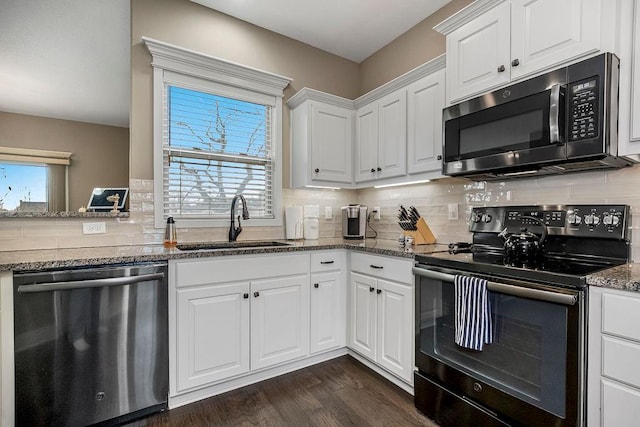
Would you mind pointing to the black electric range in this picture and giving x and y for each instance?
(582, 239)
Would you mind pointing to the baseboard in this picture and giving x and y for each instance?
(381, 371)
(203, 393)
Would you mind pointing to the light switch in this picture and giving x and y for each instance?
(453, 211)
(328, 212)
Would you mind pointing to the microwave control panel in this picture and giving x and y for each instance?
(583, 110)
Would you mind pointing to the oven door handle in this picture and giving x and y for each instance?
(518, 291)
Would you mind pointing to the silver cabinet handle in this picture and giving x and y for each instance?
(518, 291)
(91, 283)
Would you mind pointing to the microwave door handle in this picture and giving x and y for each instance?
(518, 291)
(554, 115)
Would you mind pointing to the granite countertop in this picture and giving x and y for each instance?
(79, 257)
(625, 277)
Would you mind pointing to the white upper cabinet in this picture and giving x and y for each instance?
(425, 101)
(548, 32)
(321, 139)
(629, 118)
(381, 138)
(478, 54)
(493, 42)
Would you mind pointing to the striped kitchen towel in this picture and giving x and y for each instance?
(472, 312)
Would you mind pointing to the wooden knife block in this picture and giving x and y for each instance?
(423, 234)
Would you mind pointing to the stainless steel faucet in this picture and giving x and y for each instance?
(233, 231)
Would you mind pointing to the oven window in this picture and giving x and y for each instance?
(528, 356)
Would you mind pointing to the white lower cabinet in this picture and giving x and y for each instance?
(327, 296)
(381, 313)
(213, 342)
(279, 320)
(237, 315)
(614, 350)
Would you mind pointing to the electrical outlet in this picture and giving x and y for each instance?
(376, 212)
(453, 211)
(94, 228)
(328, 212)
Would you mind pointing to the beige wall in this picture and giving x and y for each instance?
(415, 47)
(192, 26)
(100, 153)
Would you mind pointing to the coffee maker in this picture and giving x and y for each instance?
(354, 221)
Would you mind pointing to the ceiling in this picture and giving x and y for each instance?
(69, 59)
(352, 29)
(66, 59)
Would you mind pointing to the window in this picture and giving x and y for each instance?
(217, 133)
(33, 180)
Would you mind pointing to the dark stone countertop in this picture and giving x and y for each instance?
(79, 257)
(624, 277)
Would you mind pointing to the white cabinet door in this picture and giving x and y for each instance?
(425, 101)
(331, 143)
(327, 316)
(392, 135)
(477, 52)
(395, 337)
(362, 336)
(549, 32)
(620, 405)
(366, 143)
(212, 334)
(279, 320)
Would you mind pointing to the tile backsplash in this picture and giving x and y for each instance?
(431, 199)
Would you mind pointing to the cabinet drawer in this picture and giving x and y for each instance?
(621, 315)
(238, 268)
(326, 261)
(620, 405)
(620, 360)
(398, 270)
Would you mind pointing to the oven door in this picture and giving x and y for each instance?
(532, 373)
(510, 135)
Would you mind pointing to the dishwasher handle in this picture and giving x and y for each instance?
(518, 291)
(89, 283)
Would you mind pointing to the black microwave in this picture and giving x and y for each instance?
(563, 121)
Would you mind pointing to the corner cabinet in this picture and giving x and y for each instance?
(390, 135)
(321, 139)
(492, 42)
(381, 322)
(614, 350)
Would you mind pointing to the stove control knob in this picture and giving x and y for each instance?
(486, 218)
(574, 219)
(610, 220)
(475, 217)
(591, 219)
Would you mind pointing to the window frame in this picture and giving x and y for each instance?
(185, 68)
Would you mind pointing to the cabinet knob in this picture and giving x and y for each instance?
(371, 289)
(379, 168)
(316, 170)
(372, 170)
(439, 157)
(501, 69)
(316, 285)
(245, 296)
(515, 62)
(256, 294)
(379, 291)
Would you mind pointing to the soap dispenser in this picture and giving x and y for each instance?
(170, 234)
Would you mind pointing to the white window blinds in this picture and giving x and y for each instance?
(215, 147)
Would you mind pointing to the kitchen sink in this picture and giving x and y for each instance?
(229, 245)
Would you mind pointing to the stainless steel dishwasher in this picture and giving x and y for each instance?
(91, 344)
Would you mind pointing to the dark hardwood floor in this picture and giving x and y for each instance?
(340, 392)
